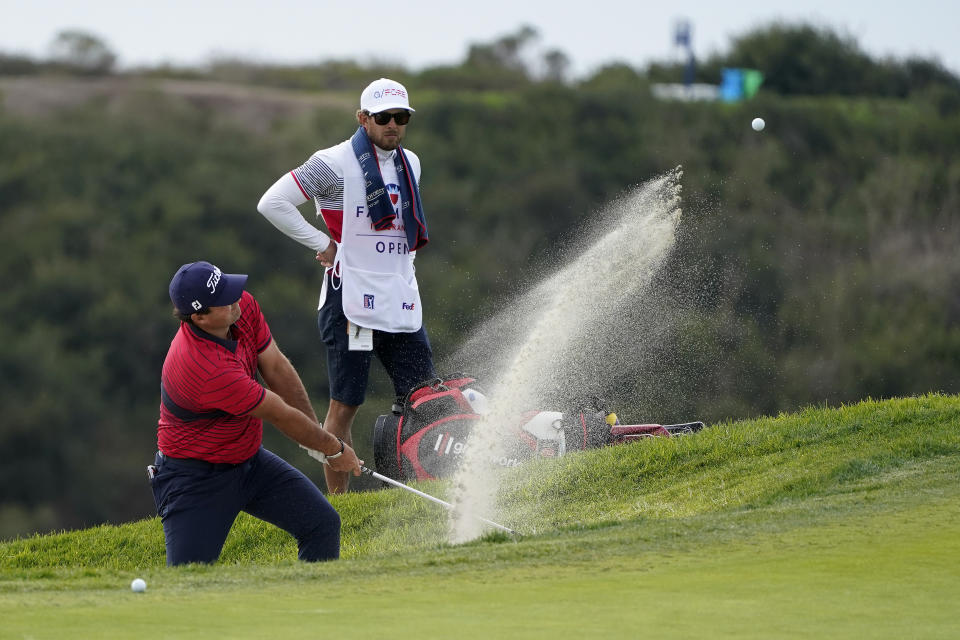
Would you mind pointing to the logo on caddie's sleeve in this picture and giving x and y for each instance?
(368, 301)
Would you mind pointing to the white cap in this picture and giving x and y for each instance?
(384, 94)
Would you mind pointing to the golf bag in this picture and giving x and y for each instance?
(426, 433)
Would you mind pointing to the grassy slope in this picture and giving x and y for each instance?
(830, 522)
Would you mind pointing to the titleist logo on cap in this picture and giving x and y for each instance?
(213, 280)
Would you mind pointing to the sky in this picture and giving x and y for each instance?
(421, 33)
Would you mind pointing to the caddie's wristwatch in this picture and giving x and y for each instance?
(338, 453)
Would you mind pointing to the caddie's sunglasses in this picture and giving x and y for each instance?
(382, 118)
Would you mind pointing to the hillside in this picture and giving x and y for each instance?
(804, 525)
(814, 261)
(257, 108)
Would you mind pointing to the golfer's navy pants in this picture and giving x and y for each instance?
(198, 502)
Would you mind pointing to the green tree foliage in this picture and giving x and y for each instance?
(815, 262)
(327, 76)
(99, 210)
(806, 59)
(505, 63)
(505, 52)
(17, 64)
(556, 65)
(82, 52)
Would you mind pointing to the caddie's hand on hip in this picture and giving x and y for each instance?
(327, 256)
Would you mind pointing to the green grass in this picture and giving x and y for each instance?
(839, 522)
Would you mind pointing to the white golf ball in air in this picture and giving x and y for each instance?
(758, 124)
(138, 585)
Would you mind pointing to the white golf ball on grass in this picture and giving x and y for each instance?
(758, 124)
(138, 585)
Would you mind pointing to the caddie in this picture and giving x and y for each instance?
(367, 191)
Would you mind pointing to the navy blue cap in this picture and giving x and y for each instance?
(198, 285)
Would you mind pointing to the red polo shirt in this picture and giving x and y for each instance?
(208, 388)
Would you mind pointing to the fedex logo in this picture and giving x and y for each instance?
(368, 301)
(409, 307)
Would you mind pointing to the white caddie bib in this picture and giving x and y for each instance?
(378, 282)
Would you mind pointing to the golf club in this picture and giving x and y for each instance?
(370, 472)
(391, 481)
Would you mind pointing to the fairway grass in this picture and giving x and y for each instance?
(826, 523)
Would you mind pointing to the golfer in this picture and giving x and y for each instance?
(366, 189)
(210, 465)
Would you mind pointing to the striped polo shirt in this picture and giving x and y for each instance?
(321, 179)
(208, 388)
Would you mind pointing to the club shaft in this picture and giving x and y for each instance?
(410, 489)
(443, 503)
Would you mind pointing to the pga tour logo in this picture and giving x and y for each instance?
(368, 301)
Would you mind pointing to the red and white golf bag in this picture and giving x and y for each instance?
(426, 434)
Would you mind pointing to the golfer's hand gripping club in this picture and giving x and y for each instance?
(347, 460)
